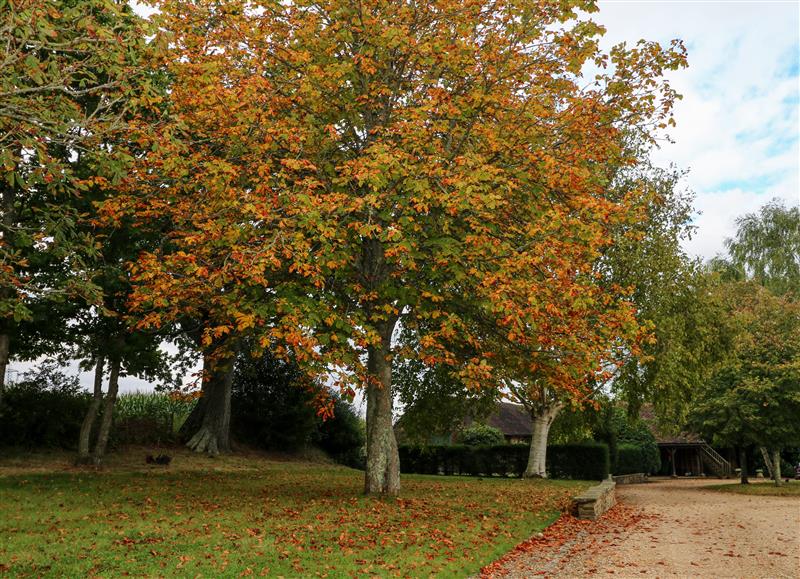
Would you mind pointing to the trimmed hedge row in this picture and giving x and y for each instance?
(632, 458)
(588, 461)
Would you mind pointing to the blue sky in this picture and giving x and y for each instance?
(738, 124)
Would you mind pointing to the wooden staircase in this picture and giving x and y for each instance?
(715, 462)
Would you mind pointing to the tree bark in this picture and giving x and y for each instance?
(382, 474)
(108, 410)
(194, 421)
(213, 436)
(4, 354)
(84, 439)
(743, 465)
(776, 466)
(537, 457)
(767, 462)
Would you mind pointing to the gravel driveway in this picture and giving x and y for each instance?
(674, 528)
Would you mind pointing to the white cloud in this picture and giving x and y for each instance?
(738, 126)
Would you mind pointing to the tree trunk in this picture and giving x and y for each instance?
(91, 414)
(767, 461)
(743, 465)
(537, 458)
(108, 410)
(213, 436)
(382, 474)
(194, 421)
(776, 466)
(4, 343)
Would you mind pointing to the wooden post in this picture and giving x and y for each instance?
(672, 457)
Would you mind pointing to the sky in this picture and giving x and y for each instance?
(738, 127)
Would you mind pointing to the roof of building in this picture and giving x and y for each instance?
(647, 414)
(510, 419)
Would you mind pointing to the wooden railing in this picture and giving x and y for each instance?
(715, 461)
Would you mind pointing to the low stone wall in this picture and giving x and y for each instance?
(629, 479)
(595, 501)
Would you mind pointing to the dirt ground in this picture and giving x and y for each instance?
(674, 528)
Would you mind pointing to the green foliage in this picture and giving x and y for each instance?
(435, 402)
(272, 407)
(754, 399)
(44, 409)
(568, 461)
(71, 73)
(573, 425)
(766, 247)
(632, 458)
(621, 431)
(343, 436)
(269, 407)
(587, 461)
(670, 291)
(482, 435)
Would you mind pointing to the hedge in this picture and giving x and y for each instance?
(632, 458)
(588, 461)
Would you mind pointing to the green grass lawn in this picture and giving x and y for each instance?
(250, 515)
(792, 488)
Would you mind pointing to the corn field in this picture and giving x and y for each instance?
(170, 409)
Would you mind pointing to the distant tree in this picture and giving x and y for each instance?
(616, 427)
(754, 399)
(766, 247)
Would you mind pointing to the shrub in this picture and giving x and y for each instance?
(343, 436)
(577, 461)
(44, 409)
(632, 459)
(268, 407)
(271, 409)
(482, 435)
(617, 429)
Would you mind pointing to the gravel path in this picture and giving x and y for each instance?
(674, 528)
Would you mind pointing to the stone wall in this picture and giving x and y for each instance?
(629, 479)
(595, 501)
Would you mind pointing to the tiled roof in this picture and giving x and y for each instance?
(510, 419)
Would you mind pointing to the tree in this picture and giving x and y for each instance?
(754, 399)
(436, 165)
(669, 348)
(766, 247)
(69, 71)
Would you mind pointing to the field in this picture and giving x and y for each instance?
(253, 514)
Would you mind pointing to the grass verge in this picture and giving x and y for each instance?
(253, 515)
(792, 488)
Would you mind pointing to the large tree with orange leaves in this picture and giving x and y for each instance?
(333, 169)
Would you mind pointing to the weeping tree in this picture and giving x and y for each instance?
(766, 247)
